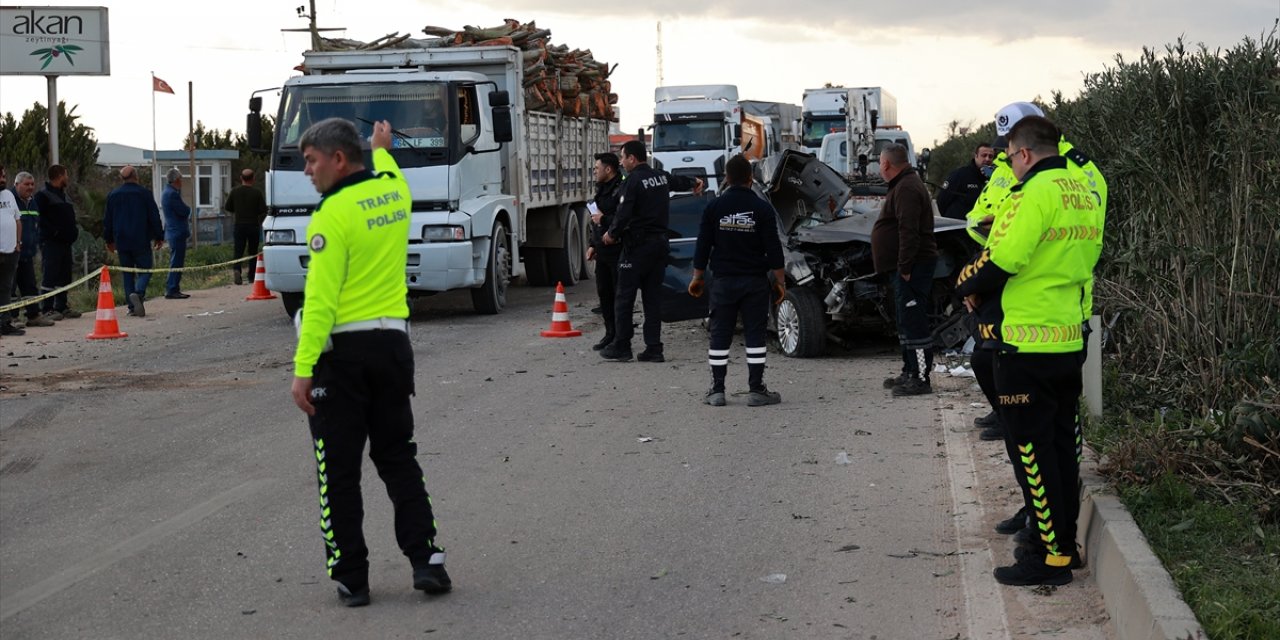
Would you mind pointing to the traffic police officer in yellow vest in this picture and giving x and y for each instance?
(1038, 262)
(354, 364)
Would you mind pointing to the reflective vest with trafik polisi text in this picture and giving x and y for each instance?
(1087, 172)
(991, 197)
(359, 244)
(1049, 238)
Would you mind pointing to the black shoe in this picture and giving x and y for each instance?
(177, 295)
(890, 383)
(651, 355)
(763, 396)
(715, 397)
(7, 329)
(239, 280)
(136, 307)
(431, 577)
(1026, 537)
(348, 598)
(986, 421)
(1077, 561)
(1031, 570)
(616, 353)
(1014, 523)
(992, 433)
(913, 387)
(604, 342)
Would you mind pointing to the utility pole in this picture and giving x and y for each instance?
(311, 25)
(659, 51)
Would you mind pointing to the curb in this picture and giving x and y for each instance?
(1140, 595)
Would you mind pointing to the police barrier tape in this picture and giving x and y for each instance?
(24, 302)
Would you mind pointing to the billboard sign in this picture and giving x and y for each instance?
(54, 41)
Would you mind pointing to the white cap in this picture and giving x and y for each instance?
(1010, 114)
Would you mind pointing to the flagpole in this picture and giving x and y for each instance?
(154, 164)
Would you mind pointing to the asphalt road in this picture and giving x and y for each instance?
(163, 486)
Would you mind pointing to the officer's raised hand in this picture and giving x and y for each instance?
(697, 285)
(381, 135)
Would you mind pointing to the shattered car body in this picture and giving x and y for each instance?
(833, 291)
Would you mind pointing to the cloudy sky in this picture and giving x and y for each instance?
(942, 63)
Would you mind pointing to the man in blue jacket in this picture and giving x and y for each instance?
(131, 228)
(177, 230)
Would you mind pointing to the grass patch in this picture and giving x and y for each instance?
(87, 298)
(1225, 561)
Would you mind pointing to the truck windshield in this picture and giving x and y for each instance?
(416, 110)
(816, 128)
(688, 136)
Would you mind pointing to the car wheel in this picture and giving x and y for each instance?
(491, 297)
(801, 324)
(292, 302)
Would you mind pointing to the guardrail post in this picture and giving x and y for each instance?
(1092, 371)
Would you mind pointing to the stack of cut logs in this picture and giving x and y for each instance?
(556, 78)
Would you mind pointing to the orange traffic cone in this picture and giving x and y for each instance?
(560, 327)
(260, 283)
(105, 325)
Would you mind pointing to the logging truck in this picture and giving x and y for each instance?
(499, 190)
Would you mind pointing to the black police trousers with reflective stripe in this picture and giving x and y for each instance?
(1038, 397)
(732, 296)
(361, 390)
(640, 269)
(911, 304)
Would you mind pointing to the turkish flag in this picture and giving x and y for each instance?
(160, 85)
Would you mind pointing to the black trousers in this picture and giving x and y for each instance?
(607, 288)
(56, 257)
(731, 297)
(911, 306)
(640, 269)
(1038, 398)
(244, 236)
(361, 392)
(25, 284)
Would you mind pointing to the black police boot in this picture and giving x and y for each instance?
(431, 577)
(762, 396)
(349, 598)
(994, 432)
(715, 397)
(1033, 569)
(604, 342)
(651, 354)
(986, 421)
(1014, 523)
(890, 383)
(238, 278)
(616, 352)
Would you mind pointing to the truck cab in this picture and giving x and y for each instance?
(696, 129)
(834, 151)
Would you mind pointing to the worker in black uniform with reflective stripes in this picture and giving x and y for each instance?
(353, 369)
(641, 227)
(608, 175)
(738, 238)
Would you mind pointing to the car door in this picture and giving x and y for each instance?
(686, 215)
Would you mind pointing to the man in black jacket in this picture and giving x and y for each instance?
(738, 237)
(608, 174)
(641, 227)
(960, 190)
(58, 231)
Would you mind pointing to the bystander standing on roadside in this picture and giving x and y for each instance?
(249, 208)
(904, 250)
(177, 230)
(26, 285)
(10, 243)
(58, 232)
(131, 228)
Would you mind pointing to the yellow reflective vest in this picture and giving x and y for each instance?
(359, 242)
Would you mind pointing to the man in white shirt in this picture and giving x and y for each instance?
(10, 240)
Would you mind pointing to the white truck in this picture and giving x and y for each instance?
(499, 191)
(826, 111)
(696, 129)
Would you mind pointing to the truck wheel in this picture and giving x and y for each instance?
(566, 263)
(491, 297)
(801, 323)
(535, 266)
(292, 302)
